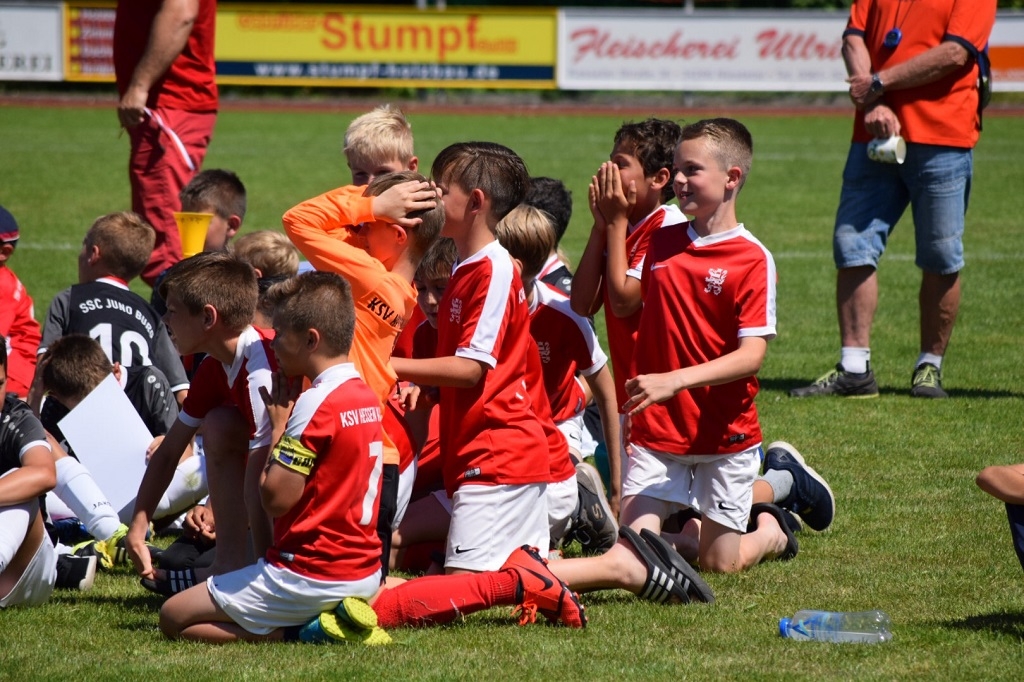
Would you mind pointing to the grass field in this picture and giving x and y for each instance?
(913, 535)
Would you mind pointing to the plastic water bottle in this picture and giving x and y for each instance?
(864, 627)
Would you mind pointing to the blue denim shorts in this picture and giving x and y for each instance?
(934, 180)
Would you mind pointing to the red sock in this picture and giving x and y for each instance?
(437, 599)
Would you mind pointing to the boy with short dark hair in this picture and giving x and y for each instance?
(72, 368)
(627, 201)
(18, 327)
(554, 198)
(494, 447)
(211, 299)
(114, 251)
(320, 485)
(220, 192)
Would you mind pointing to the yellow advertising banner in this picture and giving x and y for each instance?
(347, 46)
(351, 46)
(89, 41)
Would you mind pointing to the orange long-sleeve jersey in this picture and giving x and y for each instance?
(321, 228)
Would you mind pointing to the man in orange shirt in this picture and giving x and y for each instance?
(913, 70)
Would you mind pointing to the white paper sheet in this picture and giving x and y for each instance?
(110, 439)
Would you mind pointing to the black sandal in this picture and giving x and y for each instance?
(172, 583)
(664, 580)
(792, 546)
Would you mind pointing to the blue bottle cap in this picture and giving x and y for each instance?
(783, 626)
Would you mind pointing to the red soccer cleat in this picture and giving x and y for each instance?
(540, 590)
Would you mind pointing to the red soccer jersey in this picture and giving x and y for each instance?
(428, 468)
(20, 330)
(489, 432)
(567, 344)
(701, 295)
(404, 342)
(331, 532)
(189, 84)
(216, 384)
(560, 462)
(622, 330)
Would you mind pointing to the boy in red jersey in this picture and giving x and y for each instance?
(321, 486)
(609, 270)
(709, 311)
(211, 300)
(493, 446)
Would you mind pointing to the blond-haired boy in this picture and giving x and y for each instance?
(378, 142)
(568, 346)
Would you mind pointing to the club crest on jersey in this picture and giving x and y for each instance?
(455, 310)
(545, 351)
(715, 280)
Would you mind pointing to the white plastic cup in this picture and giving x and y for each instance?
(888, 150)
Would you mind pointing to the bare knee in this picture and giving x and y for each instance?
(169, 623)
(720, 564)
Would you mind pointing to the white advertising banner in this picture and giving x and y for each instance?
(30, 42)
(779, 51)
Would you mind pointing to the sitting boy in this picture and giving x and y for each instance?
(18, 327)
(114, 251)
(71, 369)
(27, 560)
(322, 488)
(211, 299)
(320, 485)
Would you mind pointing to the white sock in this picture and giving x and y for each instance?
(14, 521)
(78, 490)
(929, 358)
(187, 488)
(854, 360)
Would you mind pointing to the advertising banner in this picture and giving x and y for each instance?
(734, 51)
(352, 46)
(89, 42)
(30, 47)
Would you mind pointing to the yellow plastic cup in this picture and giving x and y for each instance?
(192, 227)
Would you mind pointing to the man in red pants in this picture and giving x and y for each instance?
(164, 63)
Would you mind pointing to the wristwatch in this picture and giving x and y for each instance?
(877, 87)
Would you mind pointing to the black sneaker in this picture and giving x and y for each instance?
(811, 497)
(842, 383)
(593, 523)
(927, 382)
(75, 572)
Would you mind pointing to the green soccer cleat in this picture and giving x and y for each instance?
(352, 622)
